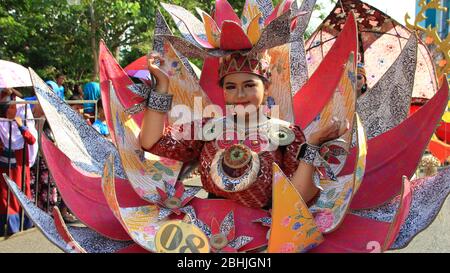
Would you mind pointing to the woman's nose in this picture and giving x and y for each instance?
(241, 92)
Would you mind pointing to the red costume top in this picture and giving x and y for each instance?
(252, 191)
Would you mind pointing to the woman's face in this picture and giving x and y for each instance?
(244, 89)
(11, 112)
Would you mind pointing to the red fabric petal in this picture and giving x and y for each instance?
(209, 81)
(179, 190)
(233, 37)
(161, 193)
(84, 196)
(186, 201)
(286, 6)
(359, 234)
(232, 234)
(229, 249)
(224, 11)
(207, 209)
(384, 174)
(307, 101)
(355, 235)
(402, 213)
(110, 70)
(215, 227)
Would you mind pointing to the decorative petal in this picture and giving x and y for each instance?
(281, 8)
(265, 221)
(90, 206)
(189, 210)
(419, 128)
(111, 73)
(191, 50)
(224, 12)
(170, 189)
(145, 171)
(164, 213)
(74, 137)
(161, 27)
(93, 242)
(228, 249)
(332, 66)
(215, 228)
(429, 195)
(254, 29)
(154, 198)
(387, 104)
(240, 241)
(368, 235)
(333, 203)
(189, 194)
(211, 29)
(162, 194)
(277, 33)
(209, 81)
(233, 37)
(298, 63)
(42, 220)
(251, 9)
(292, 222)
(64, 232)
(187, 21)
(179, 190)
(264, 6)
(227, 224)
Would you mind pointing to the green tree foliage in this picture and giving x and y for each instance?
(54, 36)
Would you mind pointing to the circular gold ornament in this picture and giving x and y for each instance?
(172, 203)
(218, 241)
(237, 156)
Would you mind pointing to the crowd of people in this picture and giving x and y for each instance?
(24, 163)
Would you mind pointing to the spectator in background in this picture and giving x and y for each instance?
(18, 148)
(54, 86)
(77, 91)
(91, 91)
(60, 79)
(100, 123)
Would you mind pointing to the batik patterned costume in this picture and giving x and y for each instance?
(255, 191)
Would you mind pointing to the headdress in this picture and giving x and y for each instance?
(258, 64)
(241, 44)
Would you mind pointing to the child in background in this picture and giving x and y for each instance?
(100, 123)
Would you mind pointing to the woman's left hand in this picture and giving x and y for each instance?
(330, 132)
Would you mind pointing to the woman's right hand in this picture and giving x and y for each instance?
(161, 76)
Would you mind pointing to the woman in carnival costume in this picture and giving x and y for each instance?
(295, 183)
(233, 168)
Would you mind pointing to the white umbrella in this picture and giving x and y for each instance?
(13, 75)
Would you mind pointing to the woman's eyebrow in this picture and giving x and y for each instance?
(249, 81)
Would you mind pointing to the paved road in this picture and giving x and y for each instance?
(436, 238)
(30, 241)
